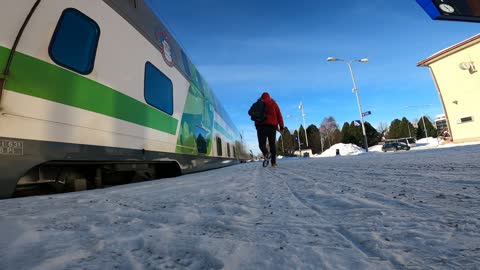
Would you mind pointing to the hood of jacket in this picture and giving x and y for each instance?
(266, 97)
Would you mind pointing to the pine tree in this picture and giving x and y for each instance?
(356, 134)
(394, 130)
(352, 134)
(431, 131)
(313, 135)
(372, 135)
(303, 142)
(345, 133)
(295, 141)
(288, 142)
(406, 129)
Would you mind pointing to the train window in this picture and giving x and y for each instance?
(228, 150)
(158, 89)
(219, 147)
(74, 42)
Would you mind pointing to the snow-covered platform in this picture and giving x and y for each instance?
(404, 210)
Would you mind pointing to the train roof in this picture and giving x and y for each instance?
(141, 16)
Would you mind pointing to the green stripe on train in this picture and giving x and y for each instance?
(31, 76)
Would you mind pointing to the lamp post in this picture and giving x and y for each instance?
(355, 90)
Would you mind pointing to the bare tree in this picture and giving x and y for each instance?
(327, 130)
(382, 127)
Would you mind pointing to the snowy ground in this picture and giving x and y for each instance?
(403, 210)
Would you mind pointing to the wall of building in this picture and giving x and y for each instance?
(459, 88)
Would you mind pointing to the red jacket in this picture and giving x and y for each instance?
(274, 116)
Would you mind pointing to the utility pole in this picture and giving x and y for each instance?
(304, 125)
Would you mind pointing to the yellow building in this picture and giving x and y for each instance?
(455, 74)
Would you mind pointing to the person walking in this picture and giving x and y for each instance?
(267, 126)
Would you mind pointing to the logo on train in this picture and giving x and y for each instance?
(166, 49)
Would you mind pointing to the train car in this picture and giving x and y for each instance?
(97, 92)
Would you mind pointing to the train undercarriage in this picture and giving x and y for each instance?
(58, 177)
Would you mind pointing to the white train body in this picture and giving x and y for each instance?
(135, 104)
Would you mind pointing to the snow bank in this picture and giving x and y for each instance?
(375, 148)
(345, 150)
(429, 142)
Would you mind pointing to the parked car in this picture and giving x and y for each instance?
(395, 146)
(410, 141)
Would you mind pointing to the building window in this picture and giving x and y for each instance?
(74, 42)
(158, 89)
(466, 119)
(234, 152)
(228, 150)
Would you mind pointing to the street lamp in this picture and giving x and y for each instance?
(355, 90)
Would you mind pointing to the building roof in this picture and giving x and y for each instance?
(450, 50)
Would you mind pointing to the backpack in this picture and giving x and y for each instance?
(258, 111)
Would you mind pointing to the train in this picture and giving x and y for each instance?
(97, 93)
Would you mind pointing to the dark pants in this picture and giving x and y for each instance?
(265, 132)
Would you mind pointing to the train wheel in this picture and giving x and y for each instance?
(70, 180)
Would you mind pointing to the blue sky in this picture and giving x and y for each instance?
(243, 48)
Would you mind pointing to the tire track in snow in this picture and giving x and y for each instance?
(342, 233)
(362, 195)
(368, 250)
(278, 174)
